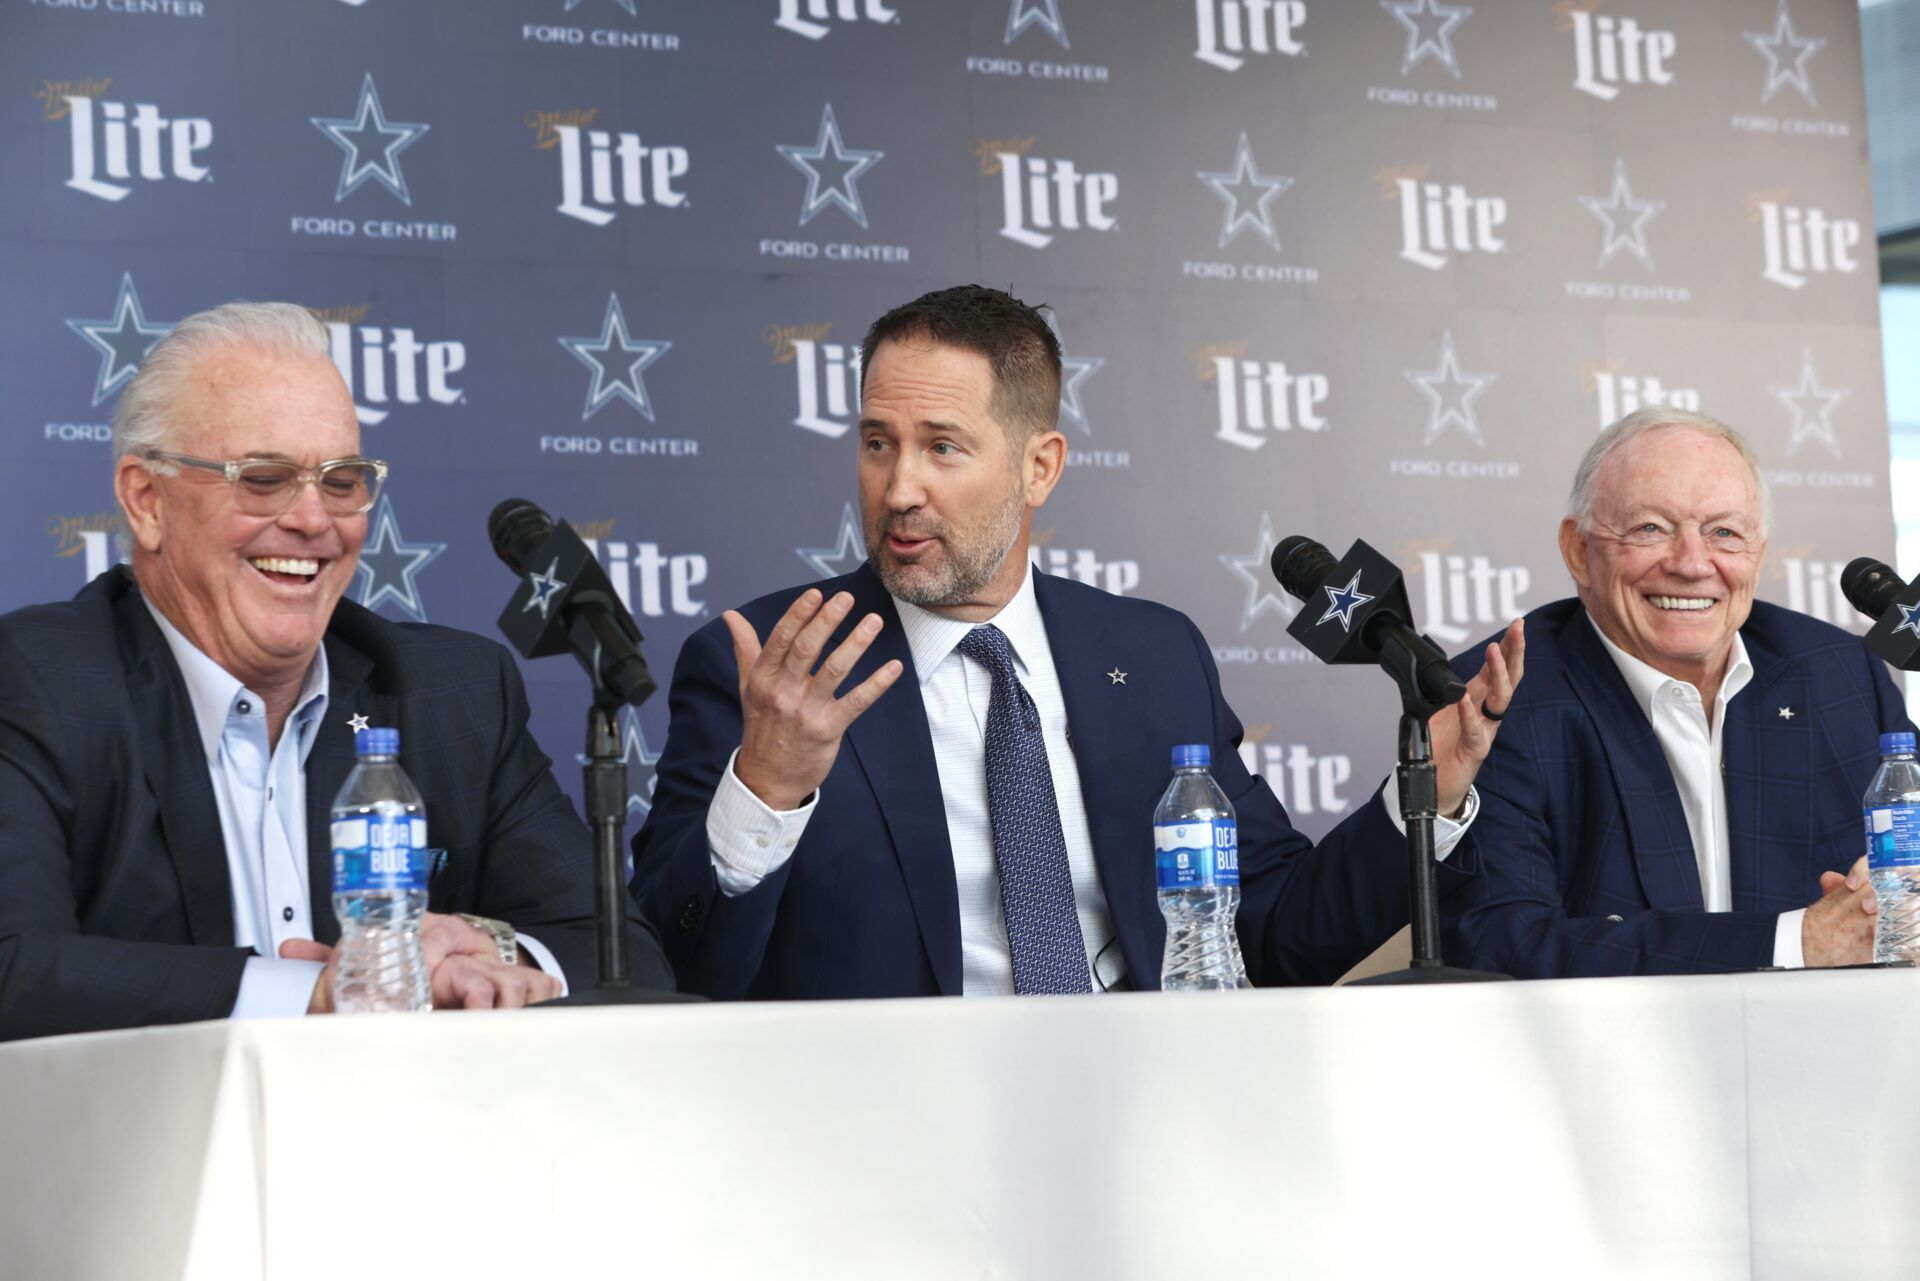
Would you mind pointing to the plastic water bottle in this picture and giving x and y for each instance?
(1893, 849)
(379, 881)
(1197, 852)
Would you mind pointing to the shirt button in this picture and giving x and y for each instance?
(244, 706)
(761, 841)
(286, 914)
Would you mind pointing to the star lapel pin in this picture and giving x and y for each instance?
(1117, 677)
(1786, 713)
(357, 722)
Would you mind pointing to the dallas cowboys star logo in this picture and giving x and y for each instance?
(1450, 393)
(1909, 620)
(1247, 193)
(389, 565)
(640, 763)
(122, 341)
(1812, 408)
(1429, 27)
(1342, 601)
(545, 587)
(1074, 371)
(1624, 217)
(850, 163)
(357, 722)
(846, 554)
(1044, 14)
(373, 145)
(1783, 68)
(617, 360)
(1252, 569)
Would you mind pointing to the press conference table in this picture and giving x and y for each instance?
(1741, 1126)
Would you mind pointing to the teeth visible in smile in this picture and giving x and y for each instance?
(286, 565)
(1680, 602)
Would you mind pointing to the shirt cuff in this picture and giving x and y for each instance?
(274, 988)
(543, 958)
(1446, 831)
(1786, 941)
(746, 840)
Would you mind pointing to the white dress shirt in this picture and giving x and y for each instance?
(747, 840)
(1693, 744)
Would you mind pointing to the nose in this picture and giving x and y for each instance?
(308, 514)
(905, 490)
(1687, 554)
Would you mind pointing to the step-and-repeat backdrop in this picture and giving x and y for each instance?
(1348, 268)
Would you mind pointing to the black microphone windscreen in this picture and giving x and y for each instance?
(515, 528)
(1870, 586)
(1301, 565)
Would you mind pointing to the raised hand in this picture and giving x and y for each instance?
(1463, 734)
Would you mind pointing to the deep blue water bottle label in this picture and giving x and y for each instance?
(1893, 836)
(1196, 855)
(374, 852)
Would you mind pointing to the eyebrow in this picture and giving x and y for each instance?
(931, 426)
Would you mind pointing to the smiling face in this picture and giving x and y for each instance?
(946, 496)
(254, 593)
(1668, 564)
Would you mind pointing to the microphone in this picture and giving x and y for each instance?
(566, 603)
(1364, 619)
(1872, 587)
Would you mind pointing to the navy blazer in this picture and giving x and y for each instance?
(867, 903)
(115, 904)
(1586, 863)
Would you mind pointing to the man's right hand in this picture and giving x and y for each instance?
(1838, 930)
(791, 720)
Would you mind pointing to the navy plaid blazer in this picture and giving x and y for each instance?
(115, 906)
(1586, 863)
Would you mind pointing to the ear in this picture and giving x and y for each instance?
(140, 501)
(1573, 550)
(1045, 459)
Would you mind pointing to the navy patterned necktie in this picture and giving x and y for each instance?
(1036, 885)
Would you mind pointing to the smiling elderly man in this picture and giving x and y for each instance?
(1680, 775)
(171, 739)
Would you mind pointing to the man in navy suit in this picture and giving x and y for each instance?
(1677, 787)
(973, 814)
(171, 739)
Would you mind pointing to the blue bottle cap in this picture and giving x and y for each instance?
(1189, 755)
(1896, 742)
(376, 742)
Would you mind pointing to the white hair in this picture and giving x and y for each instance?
(144, 417)
(1639, 423)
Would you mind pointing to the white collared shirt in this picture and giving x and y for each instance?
(1693, 743)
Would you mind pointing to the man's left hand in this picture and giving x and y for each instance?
(466, 982)
(1463, 734)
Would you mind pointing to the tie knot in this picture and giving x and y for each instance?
(987, 645)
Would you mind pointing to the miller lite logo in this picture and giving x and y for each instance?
(1466, 596)
(1610, 51)
(1256, 397)
(1042, 196)
(809, 18)
(648, 581)
(1228, 31)
(114, 144)
(1438, 220)
(826, 377)
(1813, 587)
(602, 171)
(1304, 781)
(384, 365)
(98, 541)
(1798, 241)
(1619, 394)
(1083, 565)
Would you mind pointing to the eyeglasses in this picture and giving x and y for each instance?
(269, 487)
(1733, 537)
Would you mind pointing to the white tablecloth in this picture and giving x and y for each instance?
(1751, 1126)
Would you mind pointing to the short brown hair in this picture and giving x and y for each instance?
(1019, 347)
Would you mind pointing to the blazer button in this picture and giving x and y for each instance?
(690, 915)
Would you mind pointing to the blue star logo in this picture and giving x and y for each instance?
(617, 360)
(1342, 601)
(389, 565)
(1247, 192)
(846, 554)
(1909, 619)
(122, 341)
(849, 162)
(640, 763)
(1044, 14)
(545, 587)
(373, 145)
(1429, 25)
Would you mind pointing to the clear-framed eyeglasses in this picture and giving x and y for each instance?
(270, 486)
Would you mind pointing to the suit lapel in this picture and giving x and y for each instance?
(1762, 744)
(894, 747)
(327, 766)
(1656, 823)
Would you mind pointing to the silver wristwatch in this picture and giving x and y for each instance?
(503, 937)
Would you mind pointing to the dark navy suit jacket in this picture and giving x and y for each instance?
(115, 906)
(1586, 863)
(867, 903)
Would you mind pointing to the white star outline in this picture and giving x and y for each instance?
(1769, 44)
(1245, 174)
(357, 722)
(1342, 601)
(1044, 14)
(1812, 407)
(1074, 371)
(354, 170)
(1786, 713)
(849, 549)
(841, 193)
(1611, 212)
(1253, 570)
(1909, 620)
(545, 587)
(109, 338)
(638, 353)
(1459, 413)
(1421, 46)
(384, 540)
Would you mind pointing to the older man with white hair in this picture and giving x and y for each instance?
(1676, 787)
(171, 739)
